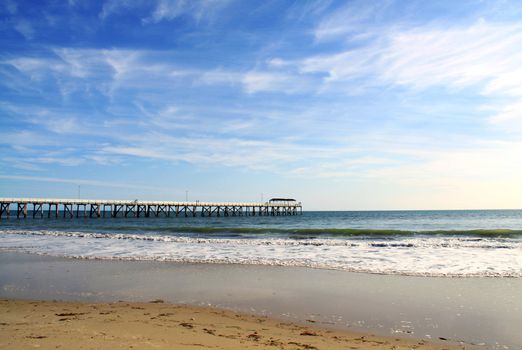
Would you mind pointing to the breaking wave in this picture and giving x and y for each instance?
(486, 253)
(341, 232)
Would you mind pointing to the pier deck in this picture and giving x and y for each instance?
(69, 208)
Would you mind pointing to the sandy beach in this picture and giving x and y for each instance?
(156, 325)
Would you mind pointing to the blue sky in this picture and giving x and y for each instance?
(343, 105)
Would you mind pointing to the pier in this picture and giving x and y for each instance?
(69, 208)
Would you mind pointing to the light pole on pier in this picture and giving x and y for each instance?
(79, 192)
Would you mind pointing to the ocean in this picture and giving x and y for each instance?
(461, 243)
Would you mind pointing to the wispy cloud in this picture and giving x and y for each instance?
(423, 57)
(219, 76)
(198, 9)
(94, 183)
(107, 71)
(165, 10)
(303, 9)
(25, 28)
(482, 57)
(114, 6)
(350, 20)
(256, 81)
(509, 117)
(26, 138)
(267, 155)
(11, 6)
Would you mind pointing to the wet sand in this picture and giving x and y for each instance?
(154, 325)
(480, 311)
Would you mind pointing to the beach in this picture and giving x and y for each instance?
(412, 309)
(321, 174)
(449, 278)
(155, 325)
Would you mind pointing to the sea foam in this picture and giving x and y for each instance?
(456, 256)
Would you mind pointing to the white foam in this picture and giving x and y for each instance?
(427, 256)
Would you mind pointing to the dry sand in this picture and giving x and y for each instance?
(157, 325)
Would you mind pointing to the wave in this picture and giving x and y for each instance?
(408, 255)
(287, 263)
(414, 242)
(341, 232)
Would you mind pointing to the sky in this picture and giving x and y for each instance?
(343, 105)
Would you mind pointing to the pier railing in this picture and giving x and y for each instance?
(127, 208)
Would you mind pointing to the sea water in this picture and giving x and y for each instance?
(427, 243)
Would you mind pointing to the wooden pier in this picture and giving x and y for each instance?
(69, 208)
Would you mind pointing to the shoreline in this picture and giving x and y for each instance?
(56, 324)
(414, 308)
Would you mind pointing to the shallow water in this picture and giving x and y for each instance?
(473, 310)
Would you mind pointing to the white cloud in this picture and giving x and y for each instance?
(63, 161)
(55, 120)
(509, 117)
(109, 71)
(343, 66)
(78, 63)
(349, 20)
(424, 57)
(277, 62)
(63, 125)
(460, 57)
(63, 64)
(87, 70)
(104, 160)
(312, 8)
(11, 6)
(166, 10)
(482, 57)
(26, 138)
(25, 28)
(21, 164)
(29, 64)
(197, 9)
(94, 183)
(274, 155)
(219, 76)
(257, 81)
(114, 6)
